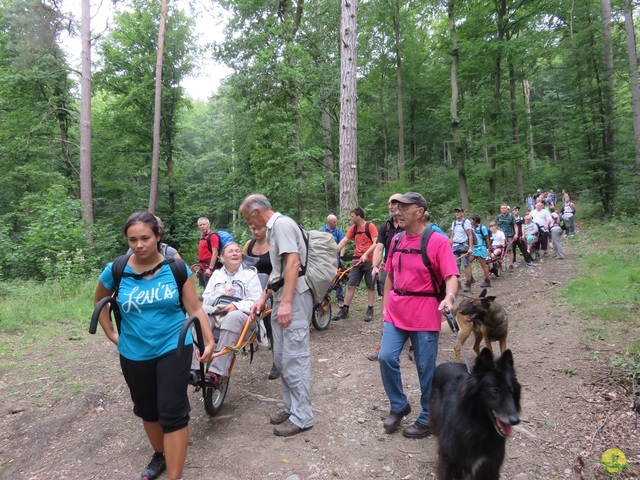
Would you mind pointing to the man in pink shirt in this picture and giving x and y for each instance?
(411, 309)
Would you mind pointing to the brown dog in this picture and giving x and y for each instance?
(486, 318)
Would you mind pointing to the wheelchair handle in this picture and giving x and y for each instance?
(93, 326)
(183, 334)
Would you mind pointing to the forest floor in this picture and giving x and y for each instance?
(65, 412)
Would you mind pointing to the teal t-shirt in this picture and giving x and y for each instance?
(480, 250)
(151, 313)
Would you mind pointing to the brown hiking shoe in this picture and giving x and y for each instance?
(279, 417)
(487, 283)
(288, 428)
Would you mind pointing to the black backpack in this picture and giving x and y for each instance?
(364, 232)
(424, 240)
(177, 265)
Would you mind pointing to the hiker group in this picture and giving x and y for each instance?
(415, 264)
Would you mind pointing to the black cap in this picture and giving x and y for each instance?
(458, 209)
(413, 197)
(516, 207)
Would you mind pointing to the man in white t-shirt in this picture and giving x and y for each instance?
(543, 219)
(461, 241)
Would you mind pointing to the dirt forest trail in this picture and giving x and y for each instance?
(70, 418)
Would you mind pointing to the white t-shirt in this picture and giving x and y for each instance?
(541, 217)
(498, 238)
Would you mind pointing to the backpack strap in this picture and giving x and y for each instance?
(117, 269)
(275, 286)
(424, 240)
(366, 231)
(178, 269)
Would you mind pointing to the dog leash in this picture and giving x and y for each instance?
(453, 324)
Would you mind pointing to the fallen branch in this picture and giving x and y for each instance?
(262, 398)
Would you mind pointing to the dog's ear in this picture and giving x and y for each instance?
(483, 293)
(506, 359)
(484, 362)
(505, 363)
(488, 300)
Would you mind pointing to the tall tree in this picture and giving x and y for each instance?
(455, 120)
(632, 55)
(126, 83)
(395, 15)
(86, 192)
(38, 110)
(157, 111)
(348, 108)
(608, 109)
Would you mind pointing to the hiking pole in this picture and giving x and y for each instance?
(453, 324)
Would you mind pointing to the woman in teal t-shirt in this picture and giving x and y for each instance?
(480, 247)
(152, 317)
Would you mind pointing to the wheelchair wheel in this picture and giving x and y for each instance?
(214, 397)
(321, 316)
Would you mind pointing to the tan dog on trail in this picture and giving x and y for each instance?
(486, 318)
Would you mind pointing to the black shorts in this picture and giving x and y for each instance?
(158, 388)
(359, 271)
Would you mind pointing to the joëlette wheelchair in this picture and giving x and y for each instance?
(213, 395)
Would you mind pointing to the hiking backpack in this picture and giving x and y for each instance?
(475, 235)
(481, 235)
(365, 231)
(224, 237)
(320, 265)
(177, 265)
(440, 288)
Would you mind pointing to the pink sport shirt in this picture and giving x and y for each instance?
(411, 312)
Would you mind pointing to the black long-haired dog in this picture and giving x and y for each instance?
(472, 414)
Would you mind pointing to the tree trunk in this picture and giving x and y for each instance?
(515, 130)
(526, 89)
(632, 54)
(413, 106)
(389, 173)
(86, 192)
(501, 10)
(155, 159)
(329, 178)
(455, 121)
(608, 109)
(396, 34)
(348, 109)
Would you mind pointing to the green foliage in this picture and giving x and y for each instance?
(609, 273)
(60, 304)
(48, 240)
(607, 290)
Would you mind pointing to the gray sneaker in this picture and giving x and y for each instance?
(368, 317)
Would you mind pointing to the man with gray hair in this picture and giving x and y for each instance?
(292, 308)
